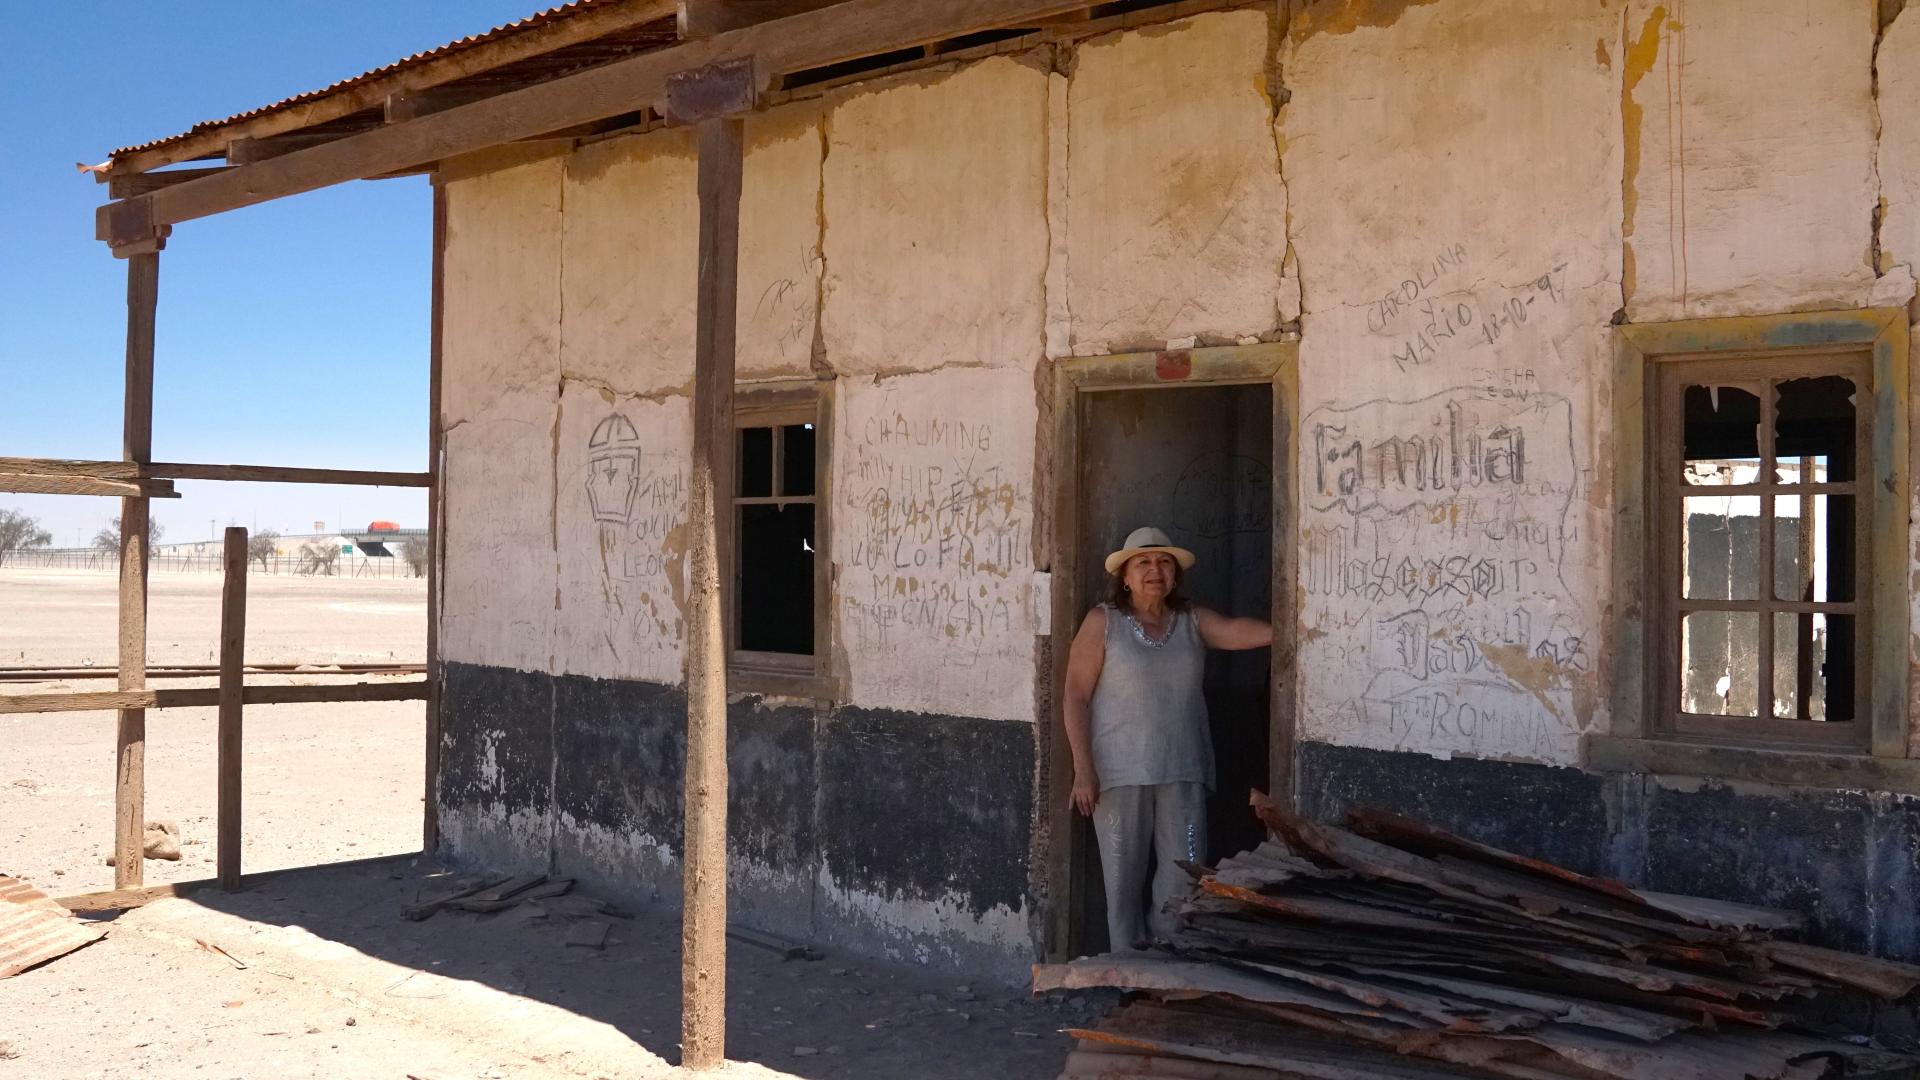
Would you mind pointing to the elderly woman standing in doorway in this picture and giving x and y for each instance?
(1137, 724)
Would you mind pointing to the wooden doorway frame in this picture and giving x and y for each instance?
(1274, 364)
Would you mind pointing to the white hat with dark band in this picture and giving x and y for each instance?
(1145, 539)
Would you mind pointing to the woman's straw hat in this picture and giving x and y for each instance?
(1148, 538)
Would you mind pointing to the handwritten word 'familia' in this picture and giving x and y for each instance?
(1451, 458)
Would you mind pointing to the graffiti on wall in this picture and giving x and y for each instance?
(1435, 543)
(934, 529)
(636, 494)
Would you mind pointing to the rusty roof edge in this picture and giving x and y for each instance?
(545, 31)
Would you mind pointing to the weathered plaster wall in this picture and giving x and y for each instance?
(933, 542)
(1454, 198)
(623, 466)
(1897, 82)
(936, 237)
(1175, 212)
(1897, 65)
(1749, 130)
(501, 379)
(1459, 267)
(781, 221)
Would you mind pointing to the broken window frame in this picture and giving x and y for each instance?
(1668, 492)
(777, 406)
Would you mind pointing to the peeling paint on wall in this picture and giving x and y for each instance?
(1755, 177)
(1345, 16)
(1641, 54)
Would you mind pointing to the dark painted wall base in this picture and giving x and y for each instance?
(881, 832)
(1849, 860)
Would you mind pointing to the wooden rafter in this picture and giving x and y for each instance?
(844, 32)
(372, 93)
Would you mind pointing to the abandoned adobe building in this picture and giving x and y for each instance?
(1542, 371)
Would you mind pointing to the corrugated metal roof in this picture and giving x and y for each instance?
(542, 18)
(34, 929)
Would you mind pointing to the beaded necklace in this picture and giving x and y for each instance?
(1140, 632)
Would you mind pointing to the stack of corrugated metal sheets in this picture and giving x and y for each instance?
(1394, 949)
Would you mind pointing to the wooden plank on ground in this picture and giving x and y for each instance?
(204, 696)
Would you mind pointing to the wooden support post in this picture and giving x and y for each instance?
(130, 769)
(436, 524)
(233, 640)
(703, 973)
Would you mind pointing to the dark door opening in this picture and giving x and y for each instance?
(1196, 461)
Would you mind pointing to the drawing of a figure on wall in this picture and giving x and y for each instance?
(1136, 719)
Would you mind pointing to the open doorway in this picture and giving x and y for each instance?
(1198, 462)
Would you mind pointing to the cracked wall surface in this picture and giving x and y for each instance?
(1175, 212)
(1755, 177)
(937, 236)
(933, 542)
(501, 379)
(1459, 269)
(1455, 199)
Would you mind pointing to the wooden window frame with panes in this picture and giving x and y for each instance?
(775, 406)
(1670, 607)
(1648, 731)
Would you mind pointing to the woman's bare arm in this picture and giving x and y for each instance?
(1084, 661)
(1221, 632)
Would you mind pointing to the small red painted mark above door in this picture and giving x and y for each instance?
(1173, 364)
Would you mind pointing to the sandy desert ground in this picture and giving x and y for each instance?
(322, 782)
(318, 974)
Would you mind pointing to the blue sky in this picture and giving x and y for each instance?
(293, 333)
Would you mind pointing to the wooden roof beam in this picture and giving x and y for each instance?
(548, 37)
(248, 151)
(126, 187)
(698, 19)
(845, 31)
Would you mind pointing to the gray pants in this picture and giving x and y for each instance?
(1169, 818)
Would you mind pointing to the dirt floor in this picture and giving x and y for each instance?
(335, 982)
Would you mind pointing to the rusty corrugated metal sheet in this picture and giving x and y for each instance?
(1413, 953)
(541, 18)
(34, 929)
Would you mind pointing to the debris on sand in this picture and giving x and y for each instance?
(34, 929)
(1393, 948)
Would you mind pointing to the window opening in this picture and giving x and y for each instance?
(1762, 506)
(775, 520)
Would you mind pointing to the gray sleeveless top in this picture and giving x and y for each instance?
(1149, 715)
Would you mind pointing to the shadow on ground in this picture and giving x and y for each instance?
(837, 1017)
